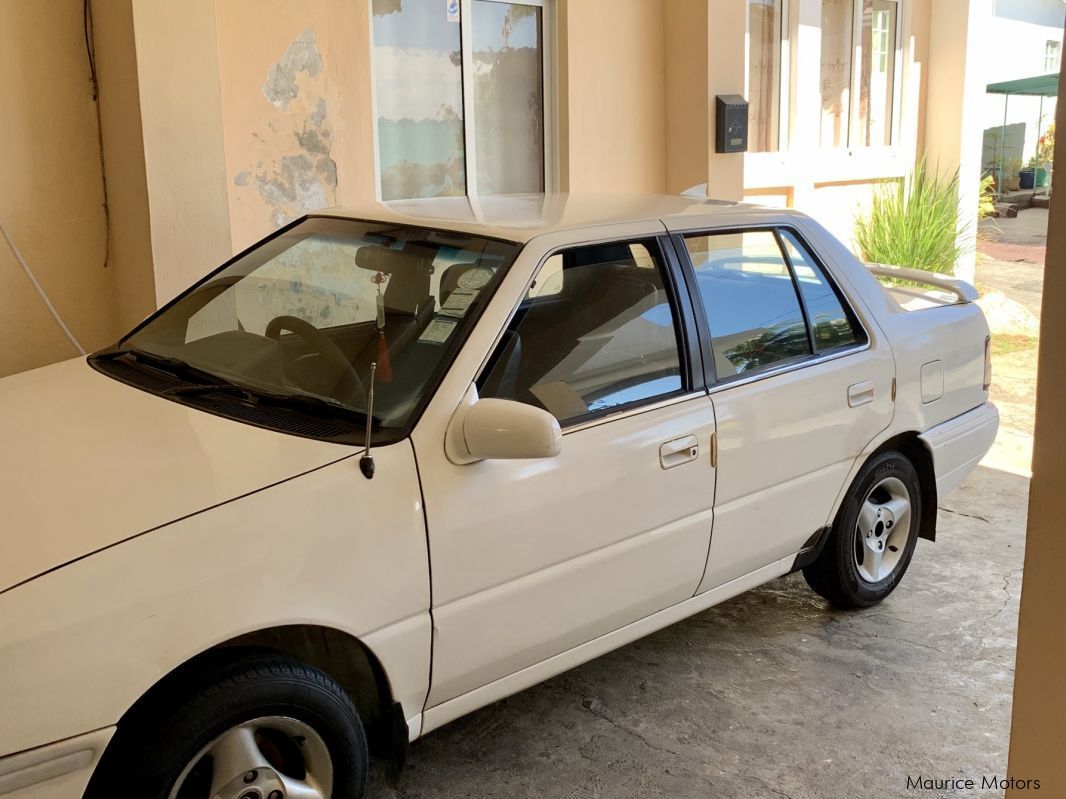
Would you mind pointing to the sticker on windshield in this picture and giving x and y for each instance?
(437, 331)
(459, 302)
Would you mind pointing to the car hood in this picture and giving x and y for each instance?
(87, 462)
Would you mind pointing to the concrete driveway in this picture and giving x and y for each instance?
(773, 694)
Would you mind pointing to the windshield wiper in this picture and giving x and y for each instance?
(203, 382)
(165, 363)
(193, 390)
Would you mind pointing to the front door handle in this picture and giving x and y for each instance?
(861, 393)
(679, 451)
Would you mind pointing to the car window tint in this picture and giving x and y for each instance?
(751, 302)
(832, 326)
(599, 336)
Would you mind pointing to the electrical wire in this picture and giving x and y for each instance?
(29, 273)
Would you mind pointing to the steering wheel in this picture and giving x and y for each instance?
(347, 387)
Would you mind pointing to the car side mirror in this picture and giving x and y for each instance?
(502, 429)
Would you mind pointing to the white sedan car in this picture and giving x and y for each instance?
(391, 465)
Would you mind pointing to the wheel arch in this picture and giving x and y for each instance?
(341, 655)
(910, 445)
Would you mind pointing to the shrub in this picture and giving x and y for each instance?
(914, 223)
(986, 199)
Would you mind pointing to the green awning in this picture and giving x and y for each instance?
(1037, 86)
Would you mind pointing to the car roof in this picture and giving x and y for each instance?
(522, 217)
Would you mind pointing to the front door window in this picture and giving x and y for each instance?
(601, 335)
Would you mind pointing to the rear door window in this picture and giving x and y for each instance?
(753, 309)
(833, 326)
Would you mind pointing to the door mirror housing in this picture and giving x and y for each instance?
(502, 429)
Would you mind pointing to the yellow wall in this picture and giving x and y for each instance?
(181, 122)
(612, 103)
(130, 260)
(52, 198)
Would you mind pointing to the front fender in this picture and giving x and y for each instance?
(79, 645)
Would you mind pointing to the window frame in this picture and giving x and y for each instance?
(686, 333)
(549, 93)
(711, 379)
(861, 336)
(784, 74)
(1052, 52)
(855, 85)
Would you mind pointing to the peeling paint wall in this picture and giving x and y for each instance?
(297, 112)
(51, 189)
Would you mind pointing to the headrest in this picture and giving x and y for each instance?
(449, 279)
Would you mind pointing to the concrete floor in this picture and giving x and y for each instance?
(773, 694)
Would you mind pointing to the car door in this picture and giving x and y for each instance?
(532, 558)
(800, 385)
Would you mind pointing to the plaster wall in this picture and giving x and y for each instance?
(612, 102)
(181, 121)
(958, 64)
(52, 199)
(298, 118)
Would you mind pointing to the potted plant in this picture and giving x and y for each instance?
(1011, 170)
(1027, 176)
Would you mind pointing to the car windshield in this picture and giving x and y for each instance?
(304, 315)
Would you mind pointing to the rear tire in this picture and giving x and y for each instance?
(239, 723)
(873, 537)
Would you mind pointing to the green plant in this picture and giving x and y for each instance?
(986, 198)
(914, 223)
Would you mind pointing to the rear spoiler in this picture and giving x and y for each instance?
(960, 288)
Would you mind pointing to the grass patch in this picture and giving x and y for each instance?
(1012, 344)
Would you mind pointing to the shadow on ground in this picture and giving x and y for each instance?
(773, 694)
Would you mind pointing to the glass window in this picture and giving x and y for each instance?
(764, 75)
(878, 72)
(421, 56)
(832, 326)
(306, 313)
(1052, 56)
(549, 280)
(751, 302)
(858, 104)
(418, 83)
(605, 339)
(508, 97)
(837, 36)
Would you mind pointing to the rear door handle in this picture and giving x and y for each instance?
(679, 451)
(861, 393)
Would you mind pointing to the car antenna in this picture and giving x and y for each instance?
(366, 463)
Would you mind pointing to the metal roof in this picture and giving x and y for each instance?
(1036, 86)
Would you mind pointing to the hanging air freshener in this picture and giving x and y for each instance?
(384, 365)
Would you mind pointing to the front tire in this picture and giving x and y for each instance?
(239, 724)
(873, 537)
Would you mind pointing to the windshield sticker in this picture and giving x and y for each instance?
(459, 302)
(437, 331)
